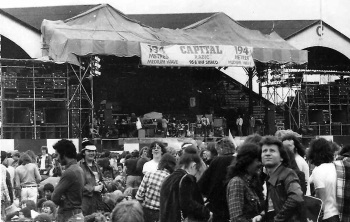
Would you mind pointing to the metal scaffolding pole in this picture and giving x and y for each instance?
(34, 102)
(1, 98)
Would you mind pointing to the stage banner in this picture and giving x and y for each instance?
(196, 55)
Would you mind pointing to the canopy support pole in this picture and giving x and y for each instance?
(250, 75)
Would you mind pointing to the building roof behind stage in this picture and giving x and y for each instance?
(284, 28)
(34, 16)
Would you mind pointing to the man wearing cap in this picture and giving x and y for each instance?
(68, 193)
(44, 161)
(94, 185)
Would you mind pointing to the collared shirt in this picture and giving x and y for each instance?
(239, 121)
(42, 163)
(68, 193)
(243, 202)
(149, 190)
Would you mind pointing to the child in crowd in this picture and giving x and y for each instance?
(49, 208)
(48, 190)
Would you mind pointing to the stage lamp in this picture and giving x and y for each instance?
(95, 66)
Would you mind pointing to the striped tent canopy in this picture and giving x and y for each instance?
(103, 30)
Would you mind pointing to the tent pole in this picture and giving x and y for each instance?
(250, 75)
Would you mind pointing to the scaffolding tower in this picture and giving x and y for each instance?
(43, 100)
(314, 102)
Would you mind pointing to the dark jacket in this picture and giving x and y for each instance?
(302, 180)
(287, 197)
(188, 199)
(48, 162)
(9, 185)
(213, 185)
(68, 193)
(130, 165)
(139, 166)
(92, 200)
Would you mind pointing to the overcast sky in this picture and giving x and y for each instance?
(334, 12)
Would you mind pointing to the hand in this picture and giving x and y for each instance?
(98, 188)
(257, 218)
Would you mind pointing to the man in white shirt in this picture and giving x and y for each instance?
(239, 123)
(324, 177)
(45, 161)
(155, 152)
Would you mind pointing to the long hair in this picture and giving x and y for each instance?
(320, 152)
(143, 149)
(171, 150)
(127, 211)
(155, 143)
(190, 155)
(298, 146)
(225, 146)
(254, 138)
(212, 149)
(25, 159)
(32, 155)
(247, 154)
(45, 148)
(292, 163)
(167, 162)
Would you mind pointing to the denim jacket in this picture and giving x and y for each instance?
(286, 195)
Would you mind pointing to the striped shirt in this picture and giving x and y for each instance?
(149, 190)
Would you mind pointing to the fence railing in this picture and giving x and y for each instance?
(329, 129)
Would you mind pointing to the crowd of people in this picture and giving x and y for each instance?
(269, 178)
